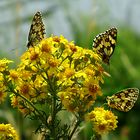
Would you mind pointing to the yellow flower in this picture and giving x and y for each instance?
(76, 99)
(3, 64)
(69, 72)
(90, 72)
(103, 120)
(73, 48)
(13, 75)
(34, 55)
(80, 53)
(3, 88)
(68, 101)
(57, 66)
(3, 94)
(56, 39)
(92, 86)
(7, 132)
(26, 89)
(53, 62)
(14, 100)
(46, 47)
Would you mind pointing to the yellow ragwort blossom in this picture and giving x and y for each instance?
(7, 132)
(57, 66)
(3, 92)
(103, 120)
(3, 64)
(13, 75)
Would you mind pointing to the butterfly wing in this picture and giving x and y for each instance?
(37, 30)
(123, 100)
(104, 44)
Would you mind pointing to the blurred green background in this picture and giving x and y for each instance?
(81, 21)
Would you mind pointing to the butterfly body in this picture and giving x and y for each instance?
(104, 44)
(123, 100)
(37, 31)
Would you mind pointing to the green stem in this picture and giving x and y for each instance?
(31, 104)
(53, 110)
(53, 115)
(74, 129)
(97, 137)
(64, 59)
(23, 97)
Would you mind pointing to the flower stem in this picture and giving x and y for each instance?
(74, 129)
(24, 98)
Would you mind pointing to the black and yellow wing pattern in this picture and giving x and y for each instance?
(104, 44)
(37, 30)
(123, 100)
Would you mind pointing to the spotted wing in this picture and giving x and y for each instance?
(123, 100)
(104, 44)
(37, 30)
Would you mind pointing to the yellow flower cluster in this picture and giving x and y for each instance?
(3, 71)
(56, 66)
(3, 64)
(103, 120)
(7, 132)
(55, 74)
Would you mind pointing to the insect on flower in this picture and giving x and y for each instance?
(37, 30)
(123, 100)
(104, 44)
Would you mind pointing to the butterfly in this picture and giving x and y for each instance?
(104, 44)
(123, 100)
(37, 30)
